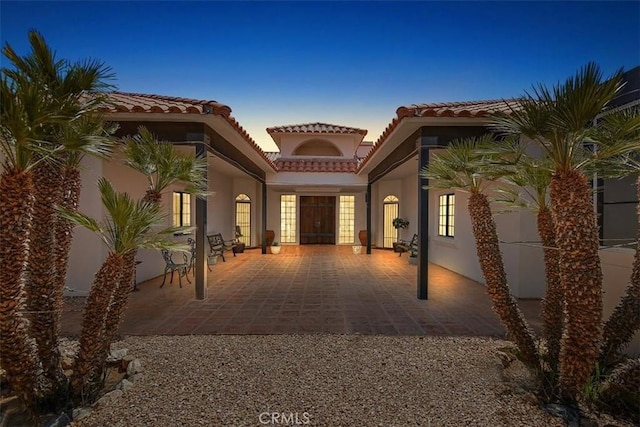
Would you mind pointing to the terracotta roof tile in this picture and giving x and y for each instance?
(446, 109)
(459, 109)
(123, 102)
(316, 165)
(315, 128)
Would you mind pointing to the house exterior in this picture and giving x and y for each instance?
(326, 185)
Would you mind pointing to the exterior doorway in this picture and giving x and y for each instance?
(317, 220)
(390, 212)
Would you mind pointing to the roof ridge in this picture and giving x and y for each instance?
(312, 125)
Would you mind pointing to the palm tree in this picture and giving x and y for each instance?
(464, 166)
(63, 84)
(528, 182)
(129, 227)
(559, 120)
(24, 111)
(163, 166)
(616, 130)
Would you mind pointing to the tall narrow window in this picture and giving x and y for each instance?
(181, 209)
(243, 219)
(390, 211)
(346, 221)
(288, 218)
(446, 215)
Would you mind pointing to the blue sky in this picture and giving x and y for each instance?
(348, 63)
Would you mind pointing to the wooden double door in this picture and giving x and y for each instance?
(317, 220)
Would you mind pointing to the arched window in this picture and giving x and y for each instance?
(390, 206)
(243, 219)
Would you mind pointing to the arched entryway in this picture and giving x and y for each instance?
(390, 210)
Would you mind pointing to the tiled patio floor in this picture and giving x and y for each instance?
(311, 289)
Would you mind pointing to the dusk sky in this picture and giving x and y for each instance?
(347, 63)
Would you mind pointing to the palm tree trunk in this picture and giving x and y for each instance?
(119, 303)
(64, 235)
(581, 275)
(93, 320)
(152, 196)
(621, 389)
(552, 310)
(17, 347)
(490, 257)
(625, 319)
(41, 273)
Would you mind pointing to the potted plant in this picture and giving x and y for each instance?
(275, 248)
(413, 257)
(399, 224)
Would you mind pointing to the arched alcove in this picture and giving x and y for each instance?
(317, 147)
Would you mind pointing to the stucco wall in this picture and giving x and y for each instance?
(523, 264)
(220, 210)
(87, 251)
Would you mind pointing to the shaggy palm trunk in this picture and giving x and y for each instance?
(552, 304)
(91, 338)
(41, 274)
(625, 319)
(119, 303)
(621, 389)
(490, 257)
(152, 196)
(17, 348)
(63, 236)
(581, 275)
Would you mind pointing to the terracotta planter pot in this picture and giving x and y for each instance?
(362, 235)
(271, 235)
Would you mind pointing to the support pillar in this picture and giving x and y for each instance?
(425, 144)
(264, 218)
(201, 235)
(368, 201)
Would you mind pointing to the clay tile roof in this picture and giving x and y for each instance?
(316, 165)
(477, 109)
(123, 102)
(459, 109)
(144, 103)
(315, 128)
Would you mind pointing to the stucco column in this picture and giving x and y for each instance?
(201, 234)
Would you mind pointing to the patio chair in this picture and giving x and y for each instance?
(407, 246)
(218, 246)
(192, 250)
(171, 266)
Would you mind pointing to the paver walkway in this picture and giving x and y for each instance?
(311, 289)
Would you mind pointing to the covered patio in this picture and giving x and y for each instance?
(311, 290)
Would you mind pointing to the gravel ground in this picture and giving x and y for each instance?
(321, 380)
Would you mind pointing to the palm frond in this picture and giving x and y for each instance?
(163, 165)
(463, 165)
(82, 220)
(559, 118)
